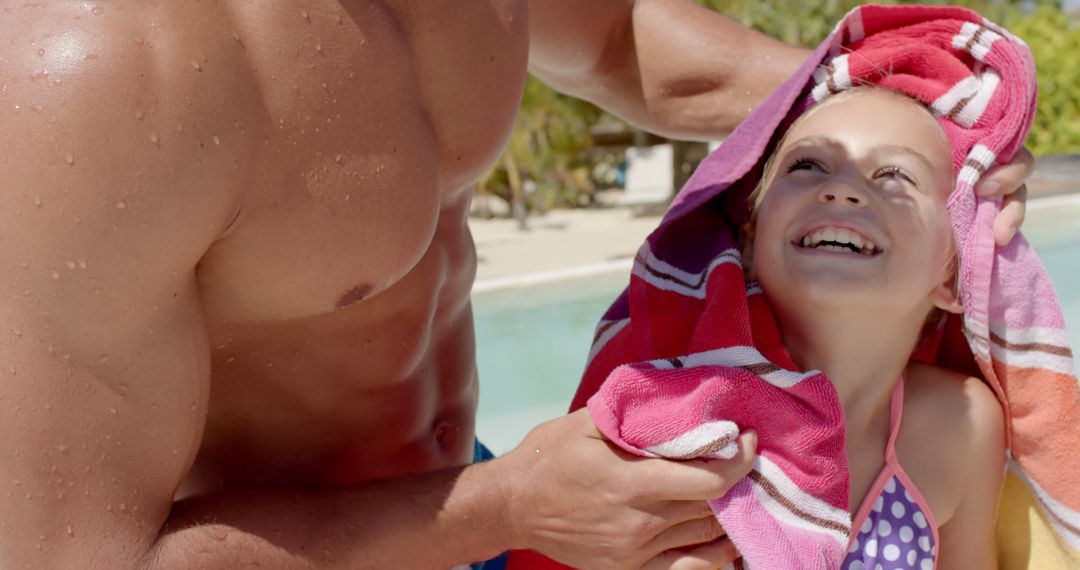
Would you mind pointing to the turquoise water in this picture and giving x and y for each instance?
(532, 342)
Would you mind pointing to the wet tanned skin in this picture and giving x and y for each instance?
(338, 304)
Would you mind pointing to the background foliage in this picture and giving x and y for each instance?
(551, 160)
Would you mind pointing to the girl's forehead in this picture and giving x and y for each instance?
(874, 116)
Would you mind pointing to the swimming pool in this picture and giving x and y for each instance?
(532, 341)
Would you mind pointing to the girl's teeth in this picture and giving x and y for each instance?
(828, 235)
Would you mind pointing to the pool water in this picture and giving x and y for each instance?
(532, 342)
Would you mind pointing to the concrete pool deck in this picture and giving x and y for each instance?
(577, 243)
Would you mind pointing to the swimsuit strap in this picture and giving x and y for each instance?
(896, 416)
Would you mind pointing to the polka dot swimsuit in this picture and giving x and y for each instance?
(896, 529)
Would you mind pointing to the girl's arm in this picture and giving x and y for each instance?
(967, 538)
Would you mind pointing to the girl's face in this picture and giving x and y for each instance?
(853, 209)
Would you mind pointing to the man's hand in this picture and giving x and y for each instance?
(575, 497)
(1007, 181)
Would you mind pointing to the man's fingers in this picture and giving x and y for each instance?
(1007, 178)
(687, 534)
(699, 479)
(710, 556)
(681, 511)
(1011, 216)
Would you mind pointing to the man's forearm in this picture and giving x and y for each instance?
(433, 520)
(669, 66)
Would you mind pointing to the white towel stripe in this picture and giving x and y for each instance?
(1033, 359)
(737, 357)
(988, 83)
(699, 437)
(1040, 335)
(692, 284)
(802, 500)
(963, 89)
(603, 339)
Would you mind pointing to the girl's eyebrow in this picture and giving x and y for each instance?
(818, 141)
(895, 149)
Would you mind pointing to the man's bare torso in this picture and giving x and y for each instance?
(337, 300)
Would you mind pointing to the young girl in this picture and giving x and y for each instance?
(866, 456)
(851, 243)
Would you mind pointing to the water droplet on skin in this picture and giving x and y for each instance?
(71, 265)
(139, 114)
(97, 10)
(230, 359)
(112, 411)
(70, 531)
(82, 264)
(105, 358)
(56, 83)
(39, 75)
(90, 55)
(196, 65)
(305, 15)
(337, 19)
(318, 48)
(17, 332)
(37, 201)
(41, 52)
(11, 369)
(69, 158)
(36, 108)
(155, 140)
(55, 274)
(216, 140)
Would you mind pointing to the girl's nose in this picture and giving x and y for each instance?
(843, 192)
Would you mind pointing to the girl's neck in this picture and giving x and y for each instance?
(863, 353)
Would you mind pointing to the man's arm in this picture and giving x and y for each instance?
(686, 72)
(112, 197)
(669, 66)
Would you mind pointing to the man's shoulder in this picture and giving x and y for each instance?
(117, 116)
(122, 57)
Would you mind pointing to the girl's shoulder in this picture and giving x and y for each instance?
(953, 433)
(944, 398)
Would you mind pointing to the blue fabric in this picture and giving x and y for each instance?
(481, 454)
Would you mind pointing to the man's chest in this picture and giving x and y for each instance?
(377, 118)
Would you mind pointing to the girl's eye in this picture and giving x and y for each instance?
(893, 172)
(805, 164)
